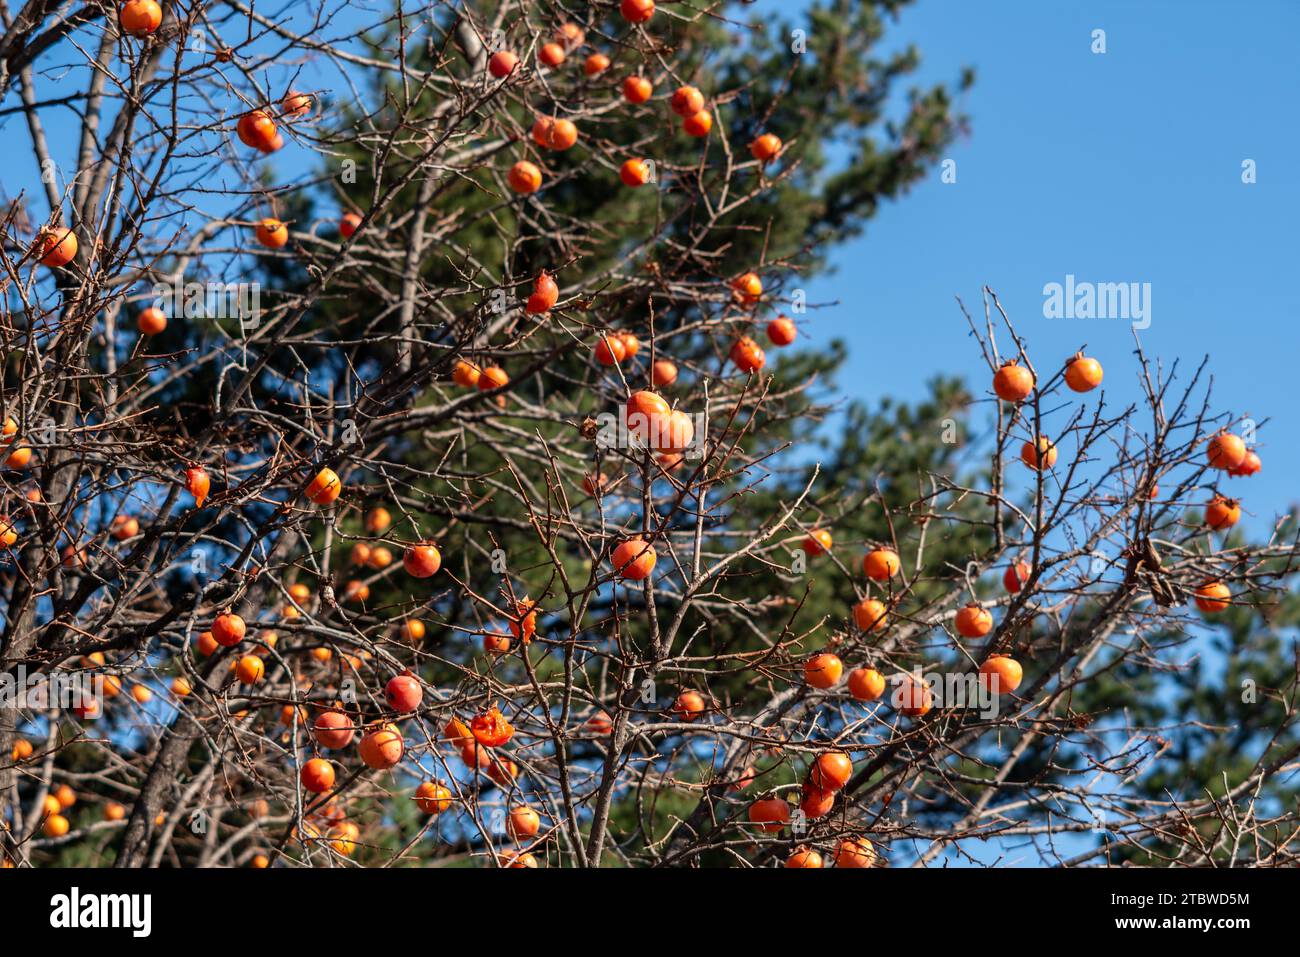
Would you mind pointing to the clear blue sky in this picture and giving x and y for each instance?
(1123, 166)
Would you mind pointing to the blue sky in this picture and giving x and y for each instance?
(1122, 166)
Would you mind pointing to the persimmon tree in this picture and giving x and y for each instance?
(407, 463)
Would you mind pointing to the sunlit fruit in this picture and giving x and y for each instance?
(1013, 382)
(551, 54)
(765, 147)
(349, 223)
(296, 104)
(634, 172)
(594, 483)
(973, 621)
(544, 295)
(866, 684)
(819, 540)
(56, 825)
(1039, 455)
(381, 747)
(501, 63)
(600, 723)
(516, 859)
(433, 797)
(343, 837)
(823, 670)
(250, 669)
(228, 629)
(465, 374)
(413, 629)
(855, 852)
(1016, 576)
(698, 123)
(870, 614)
(491, 729)
(881, 564)
(317, 776)
(637, 11)
(140, 18)
(815, 802)
(663, 373)
(422, 560)
(609, 350)
(1222, 512)
(1226, 451)
(403, 693)
(523, 822)
(688, 706)
(747, 288)
(804, 857)
(457, 732)
(1249, 465)
(634, 559)
(180, 687)
(1213, 596)
(747, 354)
(151, 321)
(22, 749)
(523, 625)
(198, 483)
(686, 100)
(325, 487)
(595, 64)
(1001, 674)
(769, 814)
(524, 177)
(492, 377)
(114, 811)
(637, 89)
(554, 134)
(272, 233)
(831, 771)
(1083, 374)
(912, 696)
(257, 129)
(56, 246)
(333, 730)
(781, 331)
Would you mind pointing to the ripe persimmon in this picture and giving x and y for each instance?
(637, 89)
(1213, 596)
(403, 693)
(1083, 373)
(296, 104)
(1039, 455)
(114, 811)
(523, 822)
(815, 802)
(637, 11)
(769, 814)
(502, 63)
(198, 483)
(804, 857)
(56, 825)
(912, 696)
(545, 294)
(492, 377)
(646, 414)
(819, 540)
(524, 623)
(765, 147)
(317, 776)
(491, 729)
(22, 749)
(551, 54)
(496, 643)
(1015, 577)
(688, 706)
(349, 223)
(973, 621)
(823, 670)
(257, 129)
(698, 123)
(1001, 674)
(686, 100)
(465, 374)
(881, 564)
(151, 321)
(855, 852)
(663, 373)
(595, 64)
(866, 684)
(831, 771)
(180, 687)
(250, 669)
(272, 233)
(333, 730)
(422, 560)
(571, 35)
(433, 797)
(870, 614)
(56, 246)
(457, 732)
(634, 559)
(1013, 382)
(609, 350)
(140, 18)
(381, 747)
(631, 344)
(594, 483)
(634, 172)
(748, 355)
(1222, 512)
(1249, 465)
(228, 629)
(325, 487)
(747, 288)
(524, 177)
(554, 134)
(1226, 451)
(781, 331)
